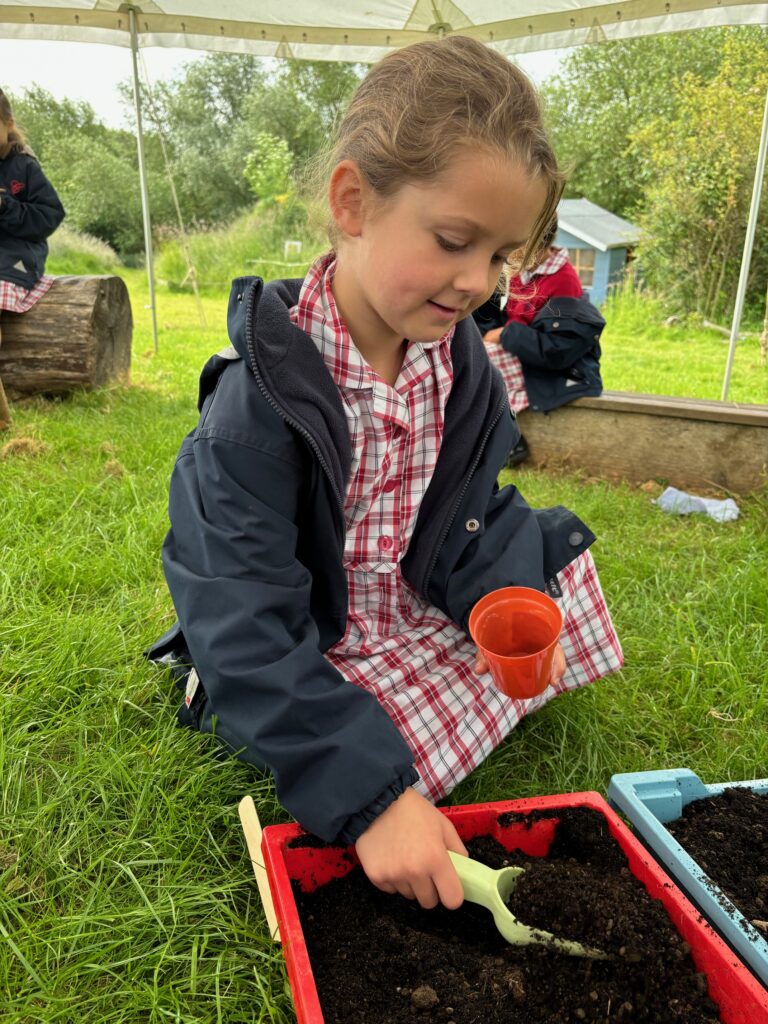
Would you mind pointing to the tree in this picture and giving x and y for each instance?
(210, 117)
(268, 168)
(604, 95)
(701, 167)
(205, 123)
(93, 168)
(48, 122)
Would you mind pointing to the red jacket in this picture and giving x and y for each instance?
(525, 300)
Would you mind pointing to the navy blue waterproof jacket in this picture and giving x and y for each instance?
(30, 211)
(559, 351)
(254, 556)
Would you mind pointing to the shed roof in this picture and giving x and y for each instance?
(599, 227)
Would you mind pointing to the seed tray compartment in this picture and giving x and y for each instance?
(740, 997)
(651, 799)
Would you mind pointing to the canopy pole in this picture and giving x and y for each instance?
(746, 258)
(143, 172)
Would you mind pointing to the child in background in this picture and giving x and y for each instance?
(545, 339)
(30, 211)
(335, 514)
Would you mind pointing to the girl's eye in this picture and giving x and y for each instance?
(498, 259)
(448, 246)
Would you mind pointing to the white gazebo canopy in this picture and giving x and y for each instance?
(364, 31)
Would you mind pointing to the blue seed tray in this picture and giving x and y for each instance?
(651, 799)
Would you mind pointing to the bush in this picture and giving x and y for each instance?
(268, 168)
(252, 244)
(695, 207)
(73, 252)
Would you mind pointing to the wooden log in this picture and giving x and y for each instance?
(78, 335)
(690, 444)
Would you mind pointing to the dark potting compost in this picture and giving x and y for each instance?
(380, 959)
(727, 836)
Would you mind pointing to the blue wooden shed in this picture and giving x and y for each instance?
(598, 243)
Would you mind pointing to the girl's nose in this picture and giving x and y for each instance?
(472, 279)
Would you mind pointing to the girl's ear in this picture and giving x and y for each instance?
(347, 190)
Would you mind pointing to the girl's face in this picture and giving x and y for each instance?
(425, 258)
(5, 129)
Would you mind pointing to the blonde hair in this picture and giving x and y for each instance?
(17, 140)
(417, 105)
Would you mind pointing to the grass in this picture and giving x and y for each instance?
(126, 895)
(688, 360)
(251, 244)
(73, 252)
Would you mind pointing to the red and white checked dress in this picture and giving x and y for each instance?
(410, 655)
(509, 366)
(15, 299)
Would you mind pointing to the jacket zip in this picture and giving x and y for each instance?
(454, 512)
(281, 412)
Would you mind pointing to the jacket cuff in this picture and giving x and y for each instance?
(358, 823)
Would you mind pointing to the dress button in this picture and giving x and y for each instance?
(575, 539)
(385, 543)
(390, 486)
(472, 526)
(556, 324)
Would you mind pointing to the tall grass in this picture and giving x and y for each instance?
(74, 252)
(252, 244)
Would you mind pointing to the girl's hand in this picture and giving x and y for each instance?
(493, 337)
(405, 850)
(558, 665)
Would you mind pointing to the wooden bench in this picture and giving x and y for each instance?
(688, 443)
(77, 336)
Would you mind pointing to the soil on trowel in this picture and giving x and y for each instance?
(727, 836)
(380, 959)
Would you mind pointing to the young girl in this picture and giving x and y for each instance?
(545, 340)
(335, 514)
(30, 211)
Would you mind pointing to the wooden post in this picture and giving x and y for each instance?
(78, 335)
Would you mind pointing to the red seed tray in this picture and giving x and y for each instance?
(740, 997)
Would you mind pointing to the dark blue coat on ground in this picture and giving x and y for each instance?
(254, 555)
(30, 211)
(559, 350)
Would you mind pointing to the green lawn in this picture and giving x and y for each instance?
(641, 354)
(126, 896)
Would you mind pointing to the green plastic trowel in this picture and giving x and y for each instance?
(491, 889)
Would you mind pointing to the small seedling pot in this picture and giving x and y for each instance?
(517, 629)
(739, 996)
(650, 800)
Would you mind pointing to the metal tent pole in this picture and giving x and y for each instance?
(143, 173)
(748, 243)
